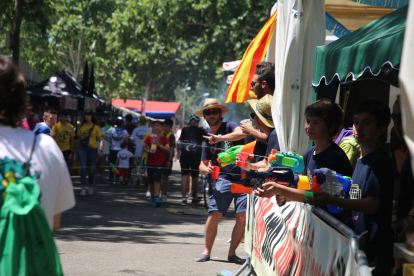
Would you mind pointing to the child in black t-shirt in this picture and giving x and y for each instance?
(371, 192)
(323, 119)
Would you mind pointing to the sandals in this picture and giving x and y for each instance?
(202, 258)
(235, 259)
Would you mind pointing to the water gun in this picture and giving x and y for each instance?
(282, 159)
(229, 157)
(252, 180)
(114, 169)
(332, 183)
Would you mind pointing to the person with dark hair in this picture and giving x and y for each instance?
(263, 81)
(122, 162)
(89, 133)
(64, 135)
(156, 145)
(190, 145)
(166, 172)
(129, 126)
(115, 136)
(49, 120)
(21, 149)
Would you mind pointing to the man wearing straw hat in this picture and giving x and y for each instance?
(222, 197)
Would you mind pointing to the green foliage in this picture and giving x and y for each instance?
(141, 48)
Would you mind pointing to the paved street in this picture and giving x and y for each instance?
(113, 232)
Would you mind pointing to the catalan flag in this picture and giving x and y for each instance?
(240, 85)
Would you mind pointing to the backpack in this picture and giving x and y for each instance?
(27, 246)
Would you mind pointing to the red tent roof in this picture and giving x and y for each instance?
(150, 106)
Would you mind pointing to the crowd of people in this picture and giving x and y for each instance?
(351, 151)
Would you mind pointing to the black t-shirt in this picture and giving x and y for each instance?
(210, 152)
(272, 143)
(333, 158)
(406, 194)
(373, 176)
(130, 128)
(192, 139)
(259, 151)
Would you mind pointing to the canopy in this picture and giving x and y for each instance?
(373, 51)
(157, 110)
(60, 84)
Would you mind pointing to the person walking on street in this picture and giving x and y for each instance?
(49, 120)
(166, 172)
(156, 145)
(89, 133)
(129, 126)
(190, 145)
(222, 196)
(64, 135)
(115, 136)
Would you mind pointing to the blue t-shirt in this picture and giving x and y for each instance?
(373, 176)
(42, 128)
(272, 143)
(210, 152)
(333, 158)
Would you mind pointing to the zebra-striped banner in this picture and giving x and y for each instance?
(291, 240)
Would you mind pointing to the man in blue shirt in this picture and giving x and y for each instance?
(49, 120)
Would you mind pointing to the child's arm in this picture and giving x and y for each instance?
(272, 188)
(367, 205)
(136, 158)
(117, 161)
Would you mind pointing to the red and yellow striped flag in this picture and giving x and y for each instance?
(240, 85)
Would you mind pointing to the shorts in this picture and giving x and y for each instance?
(166, 171)
(222, 197)
(189, 167)
(154, 173)
(123, 172)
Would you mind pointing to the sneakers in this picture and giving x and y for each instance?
(196, 200)
(184, 201)
(157, 202)
(164, 199)
(151, 201)
(83, 192)
(90, 191)
(148, 194)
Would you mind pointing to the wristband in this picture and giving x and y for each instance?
(219, 136)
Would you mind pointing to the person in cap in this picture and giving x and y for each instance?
(262, 117)
(222, 197)
(190, 145)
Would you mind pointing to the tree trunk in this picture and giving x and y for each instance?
(16, 36)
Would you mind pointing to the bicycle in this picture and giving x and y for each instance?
(208, 187)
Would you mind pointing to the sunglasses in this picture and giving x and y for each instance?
(214, 112)
(396, 116)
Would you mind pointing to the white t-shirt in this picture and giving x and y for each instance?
(124, 156)
(47, 160)
(117, 135)
(138, 136)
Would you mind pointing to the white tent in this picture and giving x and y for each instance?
(300, 28)
(407, 82)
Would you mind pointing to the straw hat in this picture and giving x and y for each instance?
(263, 109)
(142, 120)
(210, 103)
